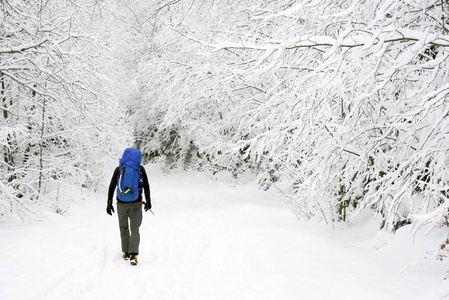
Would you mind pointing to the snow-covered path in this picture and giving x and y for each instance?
(211, 240)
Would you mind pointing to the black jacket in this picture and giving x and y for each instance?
(146, 186)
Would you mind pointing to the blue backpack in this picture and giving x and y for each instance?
(129, 175)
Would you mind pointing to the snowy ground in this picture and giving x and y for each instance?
(213, 240)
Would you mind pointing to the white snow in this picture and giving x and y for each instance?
(214, 240)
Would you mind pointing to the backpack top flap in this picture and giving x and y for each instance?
(131, 154)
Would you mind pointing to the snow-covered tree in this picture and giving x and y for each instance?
(54, 115)
(341, 104)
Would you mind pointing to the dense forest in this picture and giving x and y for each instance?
(339, 106)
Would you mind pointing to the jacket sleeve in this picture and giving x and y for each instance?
(146, 185)
(113, 184)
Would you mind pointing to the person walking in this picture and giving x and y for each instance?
(128, 181)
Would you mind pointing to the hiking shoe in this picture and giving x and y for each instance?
(133, 259)
(125, 256)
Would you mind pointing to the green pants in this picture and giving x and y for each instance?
(130, 219)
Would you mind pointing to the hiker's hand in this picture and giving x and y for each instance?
(147, 205)
(110, 209)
